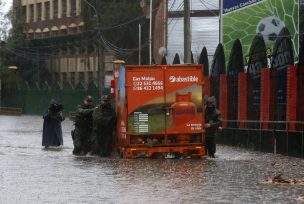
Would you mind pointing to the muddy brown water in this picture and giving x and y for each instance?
(30, 174)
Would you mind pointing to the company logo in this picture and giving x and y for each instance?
(179, 79)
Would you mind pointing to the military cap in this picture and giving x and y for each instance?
(88, 98)
(105, 98)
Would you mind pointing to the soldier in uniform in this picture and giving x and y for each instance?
(83, 127)
(213, 122)
(104, 120)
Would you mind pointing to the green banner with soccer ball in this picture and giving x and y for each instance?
(244, 19)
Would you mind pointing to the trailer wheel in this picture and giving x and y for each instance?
(121, 155)
(157, 155)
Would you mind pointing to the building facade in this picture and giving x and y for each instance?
(67, 56)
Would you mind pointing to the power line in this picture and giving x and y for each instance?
(171, 20)
(213, 5)
(208, 8)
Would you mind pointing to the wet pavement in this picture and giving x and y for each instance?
(29, 174)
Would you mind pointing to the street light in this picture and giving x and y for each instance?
(101, 71)
(13, 67)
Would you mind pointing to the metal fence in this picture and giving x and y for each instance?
(34, 100)
(284, 137)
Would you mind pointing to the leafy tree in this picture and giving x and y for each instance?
(14, 40)
(301, 19)
(119, 22)
(4, 22)
(15, 52)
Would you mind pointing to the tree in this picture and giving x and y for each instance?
(119, 25)
(301, 19)
(4, 22)
(16, 39)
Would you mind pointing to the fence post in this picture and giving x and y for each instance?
(268, 97)
(274, 140)
(242, 98)
(223, 98)
(207, 85)
(291, 103)
(302, 148)
(300, 96)
(265, 98)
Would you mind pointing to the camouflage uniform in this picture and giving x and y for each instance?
(104, 121)
(212, 117)
(83, 129)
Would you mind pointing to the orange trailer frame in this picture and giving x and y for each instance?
(159, 111)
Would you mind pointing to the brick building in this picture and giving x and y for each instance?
(59, 22)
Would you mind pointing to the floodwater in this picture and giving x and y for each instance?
(29, 174)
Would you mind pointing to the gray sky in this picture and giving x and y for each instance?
(5, 25)
(8, 4)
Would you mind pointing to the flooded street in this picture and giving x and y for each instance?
(29, 174)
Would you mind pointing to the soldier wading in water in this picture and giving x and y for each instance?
(83, 127)
(213, 122)
(104, 120)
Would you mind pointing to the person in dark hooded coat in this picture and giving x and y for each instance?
(52, 130)
(213, 122)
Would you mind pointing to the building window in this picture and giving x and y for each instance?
(54, 33)
(39, 11)
(24, 12)
(91, 76)
(73, 7)
(55, 9)
(71, 50)
(73, 30)
(57, 76)
(38, 35)
(46, 34)
(73, 78)
(31, 13)
(81, 76)
(64, 31)
(64, 8)
(30, 35)
(47, 10)
(64, 77)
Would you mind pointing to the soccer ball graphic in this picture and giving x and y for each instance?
(270, 28)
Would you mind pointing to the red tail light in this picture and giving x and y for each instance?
(113, 88)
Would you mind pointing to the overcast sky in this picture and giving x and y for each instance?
(5, 23)
(8, 4)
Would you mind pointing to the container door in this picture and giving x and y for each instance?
(183, 98)
(145, 102)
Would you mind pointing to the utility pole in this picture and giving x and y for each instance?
(139, 44)
(220, 21)
(187, 34)
(150, 34)
(101, 71)
(165, 23)
(0, 91)
(38, 68)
